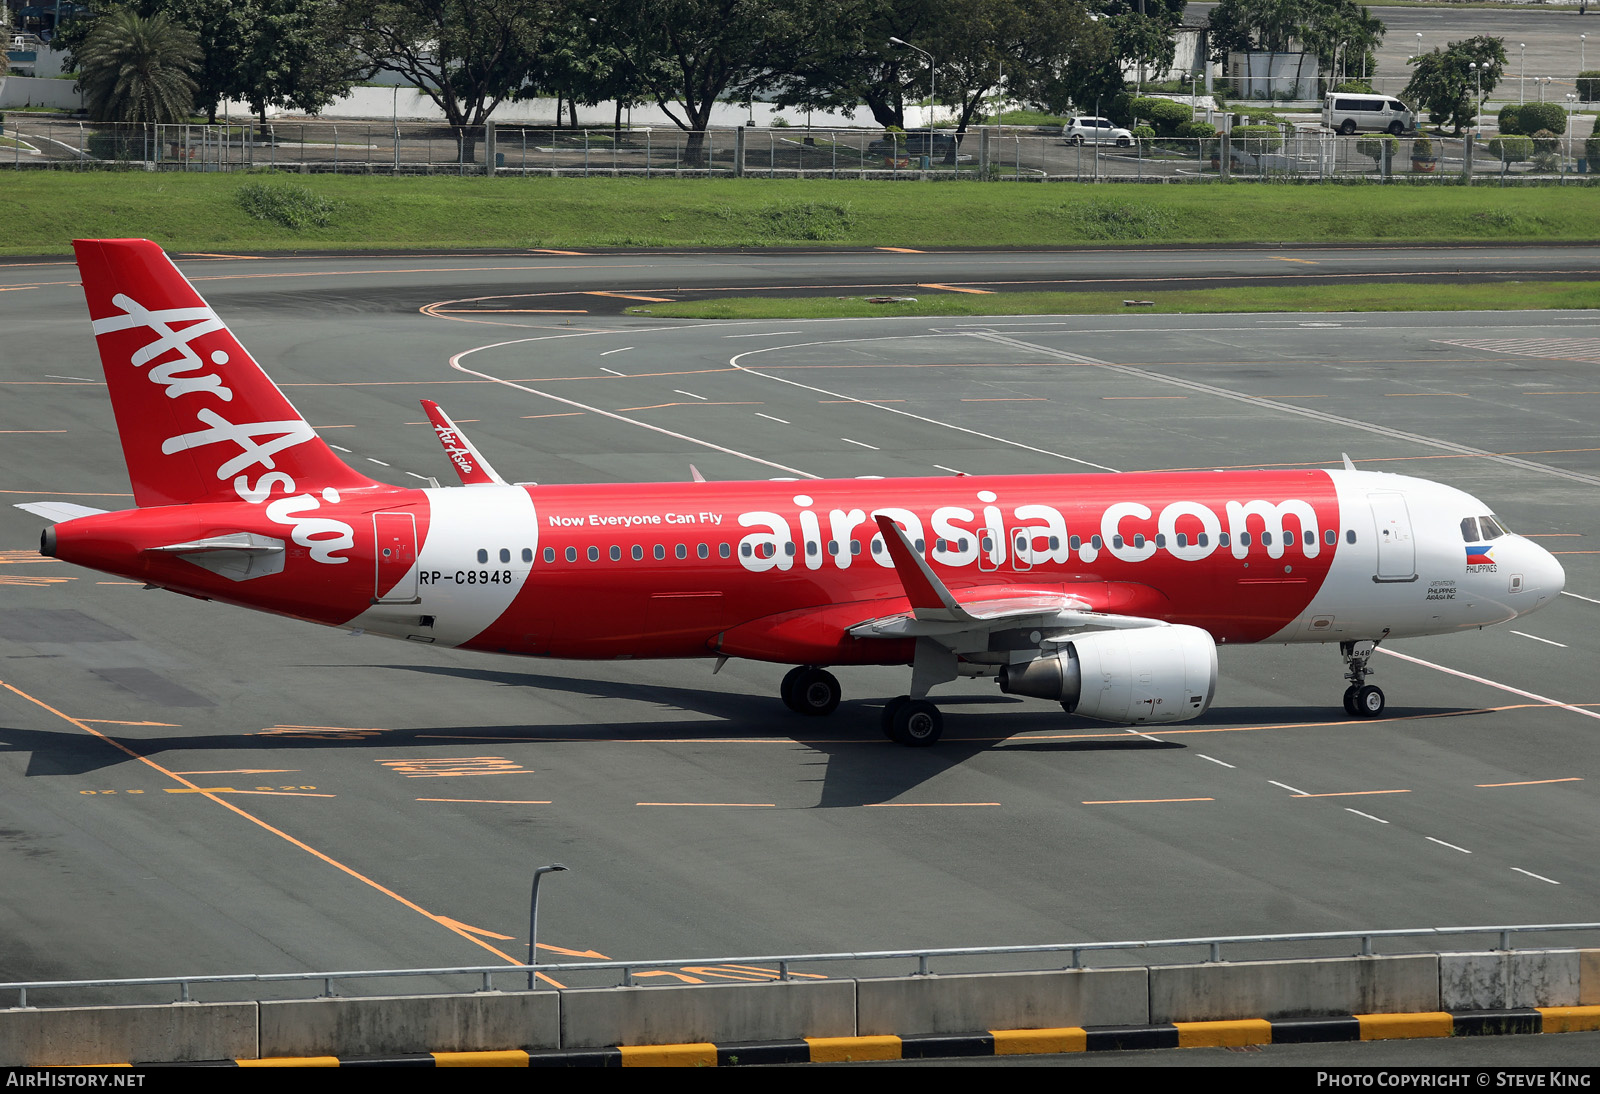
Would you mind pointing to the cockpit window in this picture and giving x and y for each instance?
(1491, 528)
(1469, 529)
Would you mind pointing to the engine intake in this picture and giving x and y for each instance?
(1150, 674)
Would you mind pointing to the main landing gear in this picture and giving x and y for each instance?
(808, 690)
(1361, 699)
(907, 721)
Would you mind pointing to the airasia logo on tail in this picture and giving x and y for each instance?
(174, 364)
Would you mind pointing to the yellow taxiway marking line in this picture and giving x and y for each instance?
(32, 430)
(730, 805)
(516, 311)
(245, 770)
(1010, 399)
(1532, 782)
(1150, 801)
(633, 296)
(563, 414)
(18, 288)
(1120, 397)
(202, 254)
(552, 251)
(232, 790)
(1306, 261)
(1349, 793)
(484, 801)
(663, 406)
(280, 833)
(69, 493)
(920, 805)
(163, 725)
(957, 288)
(900, 250)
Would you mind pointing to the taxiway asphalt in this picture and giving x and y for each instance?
(372, 804)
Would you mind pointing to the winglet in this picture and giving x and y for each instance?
(472, 467)
(1349, 464)
(930, 598)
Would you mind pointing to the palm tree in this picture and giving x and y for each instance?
(137, 70)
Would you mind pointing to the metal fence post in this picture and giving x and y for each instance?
(738, 151)
(488, 149)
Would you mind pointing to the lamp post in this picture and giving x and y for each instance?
(1477, 101)
(533, 916)
(929, 56)
(1522, 73)
(1582, 64)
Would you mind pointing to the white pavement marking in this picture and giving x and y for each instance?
(863, 444)
(613, 371)
(1369, 816)
(1575, 596)
(1539, 877)
(1214, 760)
(692, 395)
(338, 448)
(763, 334)
(380, 463)
(734, 361)
(1536, 638)
(609, 352)
(1492, 683)
(952, 470)
(1301, 411)
(1290, 789)
(455, 363)
(1452, 846)
(770, 418)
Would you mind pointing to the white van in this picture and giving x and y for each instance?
(1348, 112)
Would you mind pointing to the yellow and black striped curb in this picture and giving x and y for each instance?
(1008, 1042)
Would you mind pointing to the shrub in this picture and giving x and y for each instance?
(292, 207)
(1374, 148)
(1257, 139)
(1545, 141)
(1195, 129)
(1422, 149)
(1533, 117)
(1513, 149)
(1143, 133)
(1167, 115)
(1509, 119)
(1589, 85)
(1355, 87)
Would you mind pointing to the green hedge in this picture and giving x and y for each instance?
(1525, 119)
(1589, 85)
(1511, 149)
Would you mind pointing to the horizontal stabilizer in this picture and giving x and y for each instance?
(237, 556)
(57, 511)
(469, 464)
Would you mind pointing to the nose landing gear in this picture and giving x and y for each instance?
(1361, 699)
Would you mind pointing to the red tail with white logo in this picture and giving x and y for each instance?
(199, 420)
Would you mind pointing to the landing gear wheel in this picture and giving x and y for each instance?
(890, 709)
(1350, 701)
(1369, 701)
(814, 692)
(917, 723)
(786, 689)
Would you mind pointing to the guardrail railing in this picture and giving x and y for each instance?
(1504, 938)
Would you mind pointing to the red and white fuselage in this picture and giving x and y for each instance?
(240, 501)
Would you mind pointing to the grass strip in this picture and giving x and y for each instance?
(1381, 296)
(202, 212)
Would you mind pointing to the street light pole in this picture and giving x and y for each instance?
(1522, 73)
(533, 917)
(929, 56)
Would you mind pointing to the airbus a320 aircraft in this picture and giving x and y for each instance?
(1106, 593)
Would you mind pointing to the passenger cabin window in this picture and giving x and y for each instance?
(594, 554)
(549, 554)
(1350, 535)
(661, 551)
(638, 552)
(616, 553)
(527, 554)
(572, 554)
(483, 556)
(683, 552)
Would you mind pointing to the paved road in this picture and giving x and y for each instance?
(380, 805)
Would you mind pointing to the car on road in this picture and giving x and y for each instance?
(1095, 131)
(1348, 113)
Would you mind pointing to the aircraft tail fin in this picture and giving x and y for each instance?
(198, 419)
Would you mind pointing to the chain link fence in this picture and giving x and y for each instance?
(985, 153)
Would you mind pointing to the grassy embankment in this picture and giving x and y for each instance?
(252, 213)
(197, 212)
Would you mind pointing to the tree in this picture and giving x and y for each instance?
(138, 70)
(468, 56)
(1446, 85)
(1332, 29)
(694, 52)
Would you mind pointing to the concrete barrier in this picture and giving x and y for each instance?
(1017, 1000)
(479, 1022)
(599, 1017)
(1490, 980)
(1291, 989)
(169, 1032)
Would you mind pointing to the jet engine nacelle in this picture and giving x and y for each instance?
(1149, 674)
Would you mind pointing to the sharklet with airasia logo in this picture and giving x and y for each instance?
(1108, 594)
